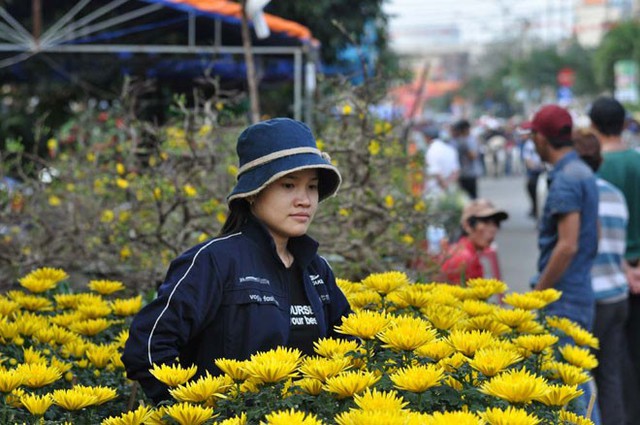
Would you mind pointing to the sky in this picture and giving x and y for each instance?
(477, 21)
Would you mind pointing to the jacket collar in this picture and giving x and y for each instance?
(304, 248)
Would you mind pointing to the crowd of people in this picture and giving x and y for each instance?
(261, 284)
(588, 228)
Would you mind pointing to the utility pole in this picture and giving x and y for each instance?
(251, 70)
(36, 16)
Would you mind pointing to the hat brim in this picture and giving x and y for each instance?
(256, 179)
(499, 215)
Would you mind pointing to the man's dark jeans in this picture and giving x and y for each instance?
(609, 327)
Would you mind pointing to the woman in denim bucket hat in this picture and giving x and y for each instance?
(258, 285)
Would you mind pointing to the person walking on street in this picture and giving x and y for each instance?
(609, 285)
(534, 168)
(260, 284)
(568, 230)
(621, 168)
(469, 156)
(442, 165)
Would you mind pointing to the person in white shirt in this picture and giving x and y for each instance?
(442, 165)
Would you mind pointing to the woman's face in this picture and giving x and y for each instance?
(483, 233)
(287, 205)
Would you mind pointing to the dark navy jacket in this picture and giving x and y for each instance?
(227, 298)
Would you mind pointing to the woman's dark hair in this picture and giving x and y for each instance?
(239, 213)
(588, 147)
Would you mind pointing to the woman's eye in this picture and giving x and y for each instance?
(287, 185)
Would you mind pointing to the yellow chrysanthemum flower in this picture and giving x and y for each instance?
(364, 299)
(10, 380)
(189, 414)
(379, 400)
(453, 362)
(101, 393)
(73, 399)
(43, 279)
(173, 375)
(418, 378)
(322, 368)
(376, 417)
(513, 318)
(349, 383)
(289, 417)
(569, 418)
(407, 333)
(37, 405)
(105, 287)
(7, 306)
(580, 357)
(310, 386)
(482, 288)
(127, 306)
(272, 365)
(236, 420)
(202, 390)
(580, 335)
(526, 301)
(435, 350)
(94, 310)
(411, 296)
(37, 375)
(509, 416)
(560, 395)
(443, 317)
(491, 361)
(364, 324)
(13, 398)
(156, 416)
(100, 355)
(535, 343)
(484, 323)
(458, 418)
(233, 368)
(32, 356)
(477, 308)
(34, 303)
(515, 386)
(134, 417)
(468, 342)
(90, 327)
(530, 327)
(568, 373)
(333, 347)
(549, 295)
(387, 282)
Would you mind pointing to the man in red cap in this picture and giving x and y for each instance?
(568, 230)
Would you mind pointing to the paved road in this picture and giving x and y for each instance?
(517, 239)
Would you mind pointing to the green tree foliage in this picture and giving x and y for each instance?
(622, 42)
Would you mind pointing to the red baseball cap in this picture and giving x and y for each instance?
(552, 121)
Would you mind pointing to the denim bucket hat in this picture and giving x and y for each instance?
(274, 148)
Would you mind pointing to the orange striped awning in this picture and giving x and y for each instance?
(232, 10)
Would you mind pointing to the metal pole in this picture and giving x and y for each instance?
(37, 19)
(192, 29)
(251, 71)
(297, 84)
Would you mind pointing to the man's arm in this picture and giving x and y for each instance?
(564, 251)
